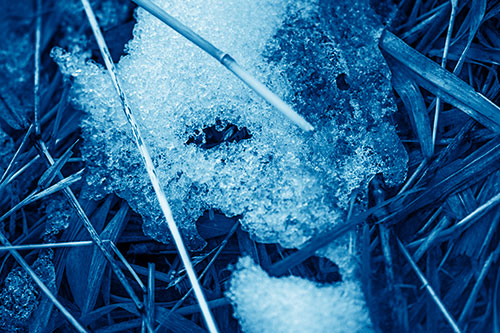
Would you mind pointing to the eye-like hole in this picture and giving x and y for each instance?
(210, 137)
(341, 82)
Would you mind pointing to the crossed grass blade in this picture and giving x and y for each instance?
(151, 170)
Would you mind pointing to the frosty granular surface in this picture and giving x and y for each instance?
(19, 294)
(320, 56)
(292, 304)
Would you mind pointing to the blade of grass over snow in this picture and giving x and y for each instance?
(227, 61)
(160, 194)
(41, 285)
(36, 77)
(444, 84)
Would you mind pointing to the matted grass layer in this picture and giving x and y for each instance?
(429, 249)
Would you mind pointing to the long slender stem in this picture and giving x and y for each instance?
(46, 245)
(36, 82)
(427, 286)
(443, 64)
(151, 170)
(227, 61)
(16, 154)
(205, 270)
(151, 293)
(44, 153)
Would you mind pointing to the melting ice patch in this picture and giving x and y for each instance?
(320, 56)
(288, 185)
(292, 304)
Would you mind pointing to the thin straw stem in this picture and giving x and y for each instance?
(162, 199)
(16, 154)
(469, 305)
(42, 285)
(78, 244)
(127, 265)
(36, 79)
(46, 246)
(414, 176)
(43, 151)
(427, 286)
(205, 270)
(227, 61)
(151, 293)
(443, 64)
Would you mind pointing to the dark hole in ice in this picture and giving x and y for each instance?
(211, 137)
(341, 82)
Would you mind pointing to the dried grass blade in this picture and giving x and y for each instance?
(426, 285)
(444, 84)
(476, 16)
(467, 221)
(469, 305)
(127, 265)
(151, 293)
(49, 175)
(414, 103)
(426, 19)
(151, 170)
(43, 151)
(36, 77)
(428, 241)
(227, 61)
(16, 174)
(210, 263)
(437, 111)
(98, 261)
(496, 305)
(16, 154)
(451, 178)
(60, 185)
(174, 322)
(490, 234)
(46, 245)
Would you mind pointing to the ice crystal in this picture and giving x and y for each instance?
(292, 304)
(288, 185)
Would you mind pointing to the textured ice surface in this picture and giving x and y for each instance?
(19, 295)
(321, 56)
(292, 304)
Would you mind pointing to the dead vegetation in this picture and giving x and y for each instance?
(429, 249)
